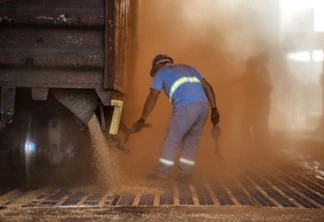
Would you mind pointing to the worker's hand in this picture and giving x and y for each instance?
(215, 116)
(137, 127)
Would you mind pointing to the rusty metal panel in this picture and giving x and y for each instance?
(51, 78)
(117, 38)
(52, 12)
(52, 43)
(109, 46)
(64, 44)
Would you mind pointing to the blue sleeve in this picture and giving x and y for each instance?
(197, 74)
(157, 83)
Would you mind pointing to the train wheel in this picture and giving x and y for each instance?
(28, 148)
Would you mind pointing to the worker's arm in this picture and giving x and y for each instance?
(148, 107)
(212, 101)
(150, 103)
(209, 93)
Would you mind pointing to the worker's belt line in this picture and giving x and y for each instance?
(166, 162)
(179, 82)
(186, 161)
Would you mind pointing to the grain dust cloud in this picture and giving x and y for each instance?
(247, 50)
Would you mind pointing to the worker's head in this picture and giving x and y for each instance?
(159, 61)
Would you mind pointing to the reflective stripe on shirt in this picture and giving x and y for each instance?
(179, 82)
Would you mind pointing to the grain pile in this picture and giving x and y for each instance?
(109, 176)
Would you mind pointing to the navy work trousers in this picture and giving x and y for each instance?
(185, 126)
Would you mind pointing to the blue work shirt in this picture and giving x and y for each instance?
(181, 84)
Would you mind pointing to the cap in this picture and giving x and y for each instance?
(158, 59)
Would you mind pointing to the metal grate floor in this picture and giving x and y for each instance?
(297, 187)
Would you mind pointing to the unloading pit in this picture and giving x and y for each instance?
(285, 185)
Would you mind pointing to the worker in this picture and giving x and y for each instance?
(189, 92)
(256, 88)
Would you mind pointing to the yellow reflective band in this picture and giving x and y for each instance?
(166, 162)
(187, 162)
(179, 82)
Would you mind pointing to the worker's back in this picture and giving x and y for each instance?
(181, 83)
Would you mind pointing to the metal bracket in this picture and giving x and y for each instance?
(103, 118)
(39, 93)
(82, 103)
(104, 95)
(118, 108)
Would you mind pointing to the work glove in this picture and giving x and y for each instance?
(215, 116)
(137, 127)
